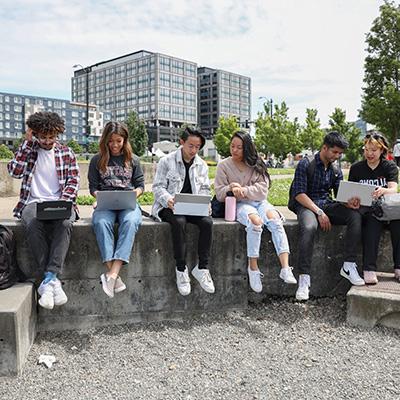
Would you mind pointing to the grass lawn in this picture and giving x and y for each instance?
(278, 194)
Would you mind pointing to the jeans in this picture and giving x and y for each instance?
(48, 240)
(308, 225)
(253, 237)
(178, 227)
(371, 235)
(103, 226)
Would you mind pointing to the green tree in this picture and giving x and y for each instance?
(75, 146)
(312, 135)
(5, 152)
(18, 142)
(337, 122)
(93, 147)
(381, 98)
(137, 133)
(276, 134)
(227, 126)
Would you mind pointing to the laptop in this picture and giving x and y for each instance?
(53, 209)
(347, 190)
(192, 204)
(116, 200)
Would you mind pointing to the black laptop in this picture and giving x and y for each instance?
(54, 209)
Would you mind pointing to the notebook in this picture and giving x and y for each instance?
(54, 209)
(116, 200)
(192, 204)
(347, 190)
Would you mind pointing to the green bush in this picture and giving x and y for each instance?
(5, 152)
(145, 199)
(85, 200)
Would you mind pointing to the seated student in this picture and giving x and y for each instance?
(376, 170)
(49, 171)
(115, 167)
(183, 171)
(245, 174)
(315, 207)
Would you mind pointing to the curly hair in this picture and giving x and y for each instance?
(46, 122)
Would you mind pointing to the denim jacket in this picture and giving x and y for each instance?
(170, 177)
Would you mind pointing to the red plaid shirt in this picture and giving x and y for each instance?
(22, 166)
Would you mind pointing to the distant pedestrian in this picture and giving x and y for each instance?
(49, 171)
(396, 152)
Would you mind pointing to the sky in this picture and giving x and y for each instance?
(308, 53)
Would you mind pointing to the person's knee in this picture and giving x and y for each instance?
(255, 220)
(206, 223)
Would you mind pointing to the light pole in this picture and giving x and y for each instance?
(270, 102)
(86, 70)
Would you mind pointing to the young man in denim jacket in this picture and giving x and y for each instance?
(183, 171)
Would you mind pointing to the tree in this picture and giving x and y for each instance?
(137, 133)
(338, 123)
(381, 98)
(93, 147)
(18, 142)
(276, 134)
(75, 146)
(312, 135)
(5, 152)
(227, 126)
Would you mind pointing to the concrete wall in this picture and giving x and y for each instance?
(150, 275)
(10, 186)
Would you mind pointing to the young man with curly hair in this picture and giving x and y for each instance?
(49, 171)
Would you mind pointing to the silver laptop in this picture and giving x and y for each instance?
(192, 204)
(347, 190)
(116, 200)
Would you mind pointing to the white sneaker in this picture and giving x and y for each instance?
(46, 292)
(108, 285)
(287, 276)
(60, 297)
(204, 278)
(303, 291)
(349, 271)
(183, 281)
(255, 279)
(119, 285)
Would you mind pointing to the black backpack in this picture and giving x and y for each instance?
(8, 260)
(310, 175)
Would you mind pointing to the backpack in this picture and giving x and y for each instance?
(8, 260)
(310, 175)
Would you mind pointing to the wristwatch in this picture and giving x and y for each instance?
(319, 212)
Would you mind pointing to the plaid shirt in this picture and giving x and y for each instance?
(22, 166)
(323, 181)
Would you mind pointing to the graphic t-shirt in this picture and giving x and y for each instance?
(385, 172)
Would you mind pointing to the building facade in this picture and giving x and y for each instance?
(160, 88)
(222, 93)
(16, 108)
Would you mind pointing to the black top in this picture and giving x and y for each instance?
(187, 187)
(116, 176)
(385, 172)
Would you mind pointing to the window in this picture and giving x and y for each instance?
(165, 64)
(18, 100)
(165, 79)
(165, 95)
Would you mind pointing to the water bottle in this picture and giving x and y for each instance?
(230, 207)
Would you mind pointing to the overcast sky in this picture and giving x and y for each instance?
(309, 53)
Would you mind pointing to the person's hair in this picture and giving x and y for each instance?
(377, 139)
(46, 122)
(119, 129)
(193, 132)
(335, 139)
(250, 155)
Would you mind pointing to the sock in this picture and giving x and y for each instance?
(181, 268)
(49, 276)
(203, 266)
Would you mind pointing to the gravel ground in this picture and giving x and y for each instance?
(275, 350)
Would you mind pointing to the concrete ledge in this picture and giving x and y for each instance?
(379, 304)
(17, 326)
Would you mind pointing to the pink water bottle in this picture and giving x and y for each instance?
(230, 207)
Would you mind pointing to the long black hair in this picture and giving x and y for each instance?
(250, 155)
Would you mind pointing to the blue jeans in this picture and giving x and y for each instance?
(103, 226)
(275, 226)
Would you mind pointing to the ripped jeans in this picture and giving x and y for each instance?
(275, 226)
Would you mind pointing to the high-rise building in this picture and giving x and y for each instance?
(160, 88)
(16, 108)
(222, 93)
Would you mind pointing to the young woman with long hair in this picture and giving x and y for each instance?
(115, 167)
(245, 174)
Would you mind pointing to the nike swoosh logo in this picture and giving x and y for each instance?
(346, 272)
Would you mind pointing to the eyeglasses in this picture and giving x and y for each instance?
(375, 136)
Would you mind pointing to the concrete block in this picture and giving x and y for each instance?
(379, 304)
(17, 327)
